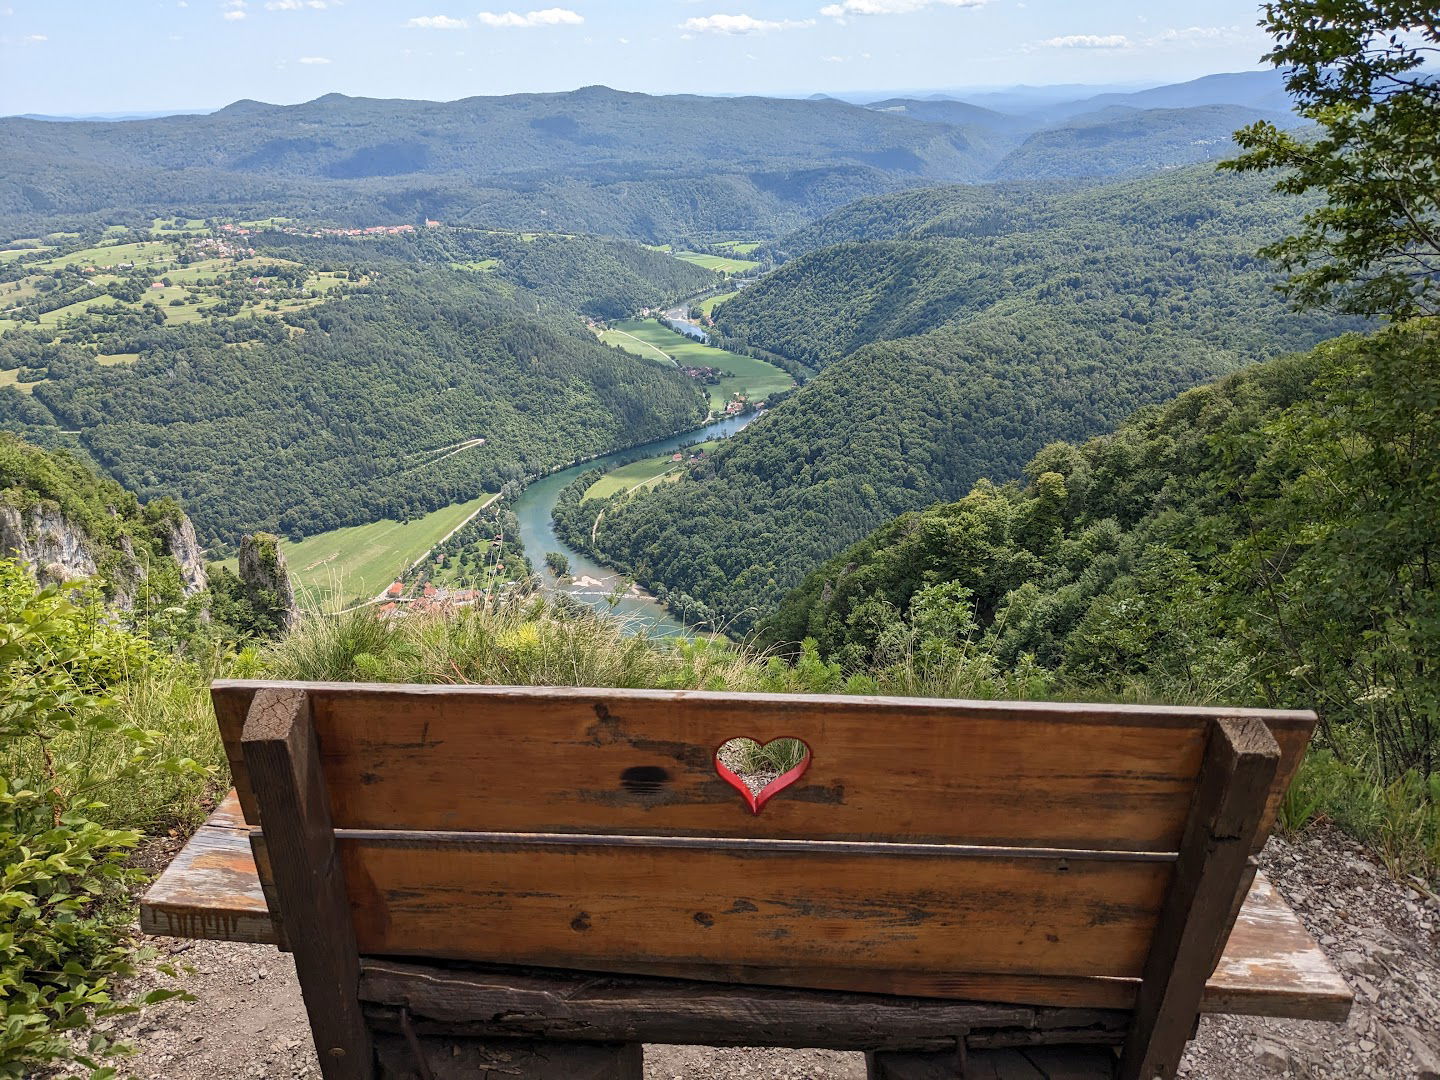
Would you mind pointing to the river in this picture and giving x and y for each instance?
(537, 532)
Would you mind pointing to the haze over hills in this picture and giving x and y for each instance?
(591, 160)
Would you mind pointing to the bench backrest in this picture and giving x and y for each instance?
(1008, 851)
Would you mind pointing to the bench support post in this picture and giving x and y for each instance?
(283, 760)
(1239, 766)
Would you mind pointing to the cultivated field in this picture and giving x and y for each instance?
(708, 306)
(644, 473)
(755, 379)
(717, 262)
(347, 566)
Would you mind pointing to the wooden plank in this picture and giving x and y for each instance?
(469, 1059)
(606, 908)
(538, 1003)
(1270, 967)
(533, 759)
(1240, 763)
(210, 889)
(284, 766)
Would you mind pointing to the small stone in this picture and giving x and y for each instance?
(1272, 1056)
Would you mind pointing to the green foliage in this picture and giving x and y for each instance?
(1002, 323)
(349, 411)
(64, 930)
(1357, 68)
(1270, 540)
(558, 563)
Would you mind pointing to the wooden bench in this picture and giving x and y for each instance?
(537, 881)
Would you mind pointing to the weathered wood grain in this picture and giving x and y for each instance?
(943, 1065)
(1270, 967)
(1240, 763)
(576, 760)
(284, 764)
(210, 890)
(593, 907)
(536, 1003)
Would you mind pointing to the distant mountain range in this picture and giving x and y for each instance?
(600, 160)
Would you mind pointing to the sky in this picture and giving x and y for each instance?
(70, 57)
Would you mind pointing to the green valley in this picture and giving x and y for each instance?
(728, 376)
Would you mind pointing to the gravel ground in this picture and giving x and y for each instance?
(248, 1022)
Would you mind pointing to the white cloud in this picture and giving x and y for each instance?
(299, 5)
(437, 22)
(234, 16)
(547, 17)
(835, 59)
(35, 38)
(314, 60)
(741, 24)
(1087, 41)
(236, 10)
(891, 7)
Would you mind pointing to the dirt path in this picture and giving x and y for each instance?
(248, 1022)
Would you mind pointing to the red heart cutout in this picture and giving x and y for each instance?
(757, 799)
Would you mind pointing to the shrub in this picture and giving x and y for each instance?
(64, 925)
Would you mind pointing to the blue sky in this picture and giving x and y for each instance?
(94, 56)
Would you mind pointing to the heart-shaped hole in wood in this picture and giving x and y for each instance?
(760, 771)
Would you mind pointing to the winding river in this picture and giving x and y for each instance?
(537, 532)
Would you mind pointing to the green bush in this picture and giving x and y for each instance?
(64, 877)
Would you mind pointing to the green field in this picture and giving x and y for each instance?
(644, 473)
(480, 266)
(754, 378)
(632, 344)
(160, 260)
(351, 565)
(717, 262)
(739, 247)
(708, 306)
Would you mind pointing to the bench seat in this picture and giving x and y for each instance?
(1270, 967)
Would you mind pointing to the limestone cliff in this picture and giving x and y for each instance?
(64, 520)
(263, 571)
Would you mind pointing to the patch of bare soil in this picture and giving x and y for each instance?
(248, 1023)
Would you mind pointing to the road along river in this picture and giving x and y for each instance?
(590, 582)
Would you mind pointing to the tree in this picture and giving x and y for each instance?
(1357, 70)
(558, 563)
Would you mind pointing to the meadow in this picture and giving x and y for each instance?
(351, 565)
(632, 344)
(755, 379)
(708, 305)
(644, 473)
(717, 262)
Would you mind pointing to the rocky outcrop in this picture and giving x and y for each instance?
(184, 547)
(263, 571)
(51, 547)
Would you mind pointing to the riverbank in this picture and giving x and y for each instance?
(591, 582)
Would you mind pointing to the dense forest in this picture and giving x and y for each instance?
(675, 168)
(365, 406)
(593, 275)
(979, 334)
(1269, 539)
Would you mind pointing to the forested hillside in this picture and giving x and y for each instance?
(593, 160)
(592, 275)
(1269, 539)
(413, 386)
(995, 333)
(675, 168)
(1120, 141)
